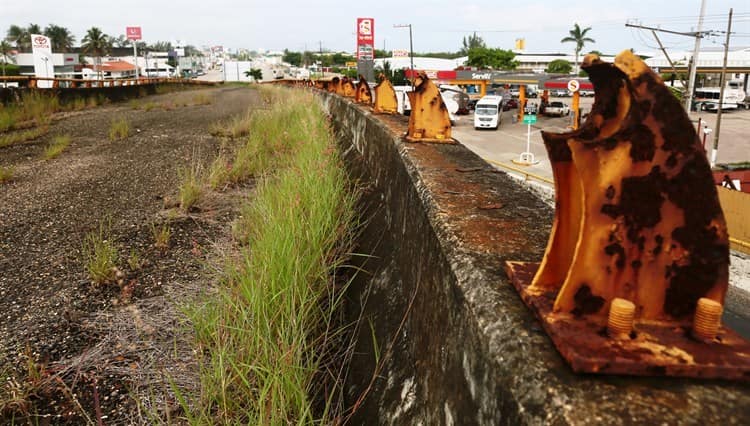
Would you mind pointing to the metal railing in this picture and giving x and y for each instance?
(32, 82)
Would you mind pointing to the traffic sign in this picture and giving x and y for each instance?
(529, 119)
(574, 85)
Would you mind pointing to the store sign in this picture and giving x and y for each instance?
(365, 39)
(400, 53)
(44, 67)
(481, 76)
(133, 33)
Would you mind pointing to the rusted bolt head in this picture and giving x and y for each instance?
(707, 318)
(620, 320)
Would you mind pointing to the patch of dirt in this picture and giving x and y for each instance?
(94, 350)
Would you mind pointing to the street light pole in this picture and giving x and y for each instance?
(411, 52)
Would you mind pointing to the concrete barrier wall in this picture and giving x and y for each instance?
(444, 338)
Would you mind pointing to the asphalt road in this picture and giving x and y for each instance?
(510, 140)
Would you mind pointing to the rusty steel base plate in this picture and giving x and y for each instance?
(653, 349)
(431, 140)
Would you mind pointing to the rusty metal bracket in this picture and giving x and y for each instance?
(385, 97)
(348, 90)
(636, 268)
(364, 95)
(429, 120)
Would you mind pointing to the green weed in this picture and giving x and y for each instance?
(58, 145)
(100, 254)
(22, 136)
(119, 129)
(190, 186)
(6, 174)
(161, 235)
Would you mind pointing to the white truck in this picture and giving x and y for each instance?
(556, 108)
(488, 112)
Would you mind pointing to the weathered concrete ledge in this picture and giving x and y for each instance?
(456, 344)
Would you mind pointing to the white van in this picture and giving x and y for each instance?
(488, 113)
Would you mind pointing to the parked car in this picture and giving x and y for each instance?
(560, 93)
(510, 104)
(557, 108)
(587, 93)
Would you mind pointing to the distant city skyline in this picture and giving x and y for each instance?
(438, 26)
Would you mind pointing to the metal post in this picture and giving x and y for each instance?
(696, 51)
(721, 93)
(135, 59)
(411, 58)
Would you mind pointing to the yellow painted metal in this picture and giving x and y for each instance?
(576, 108)
(348, 89)
(521, 101)
(429, 120)
(637, 214)
(385, 97)
(364, 95)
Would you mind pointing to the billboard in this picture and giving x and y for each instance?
(41, 48)
(365, 39)
(366, 47)
(133, 33)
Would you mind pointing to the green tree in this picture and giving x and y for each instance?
(121, 41)
(472, 42)
(21, 36)
(486, 58)
(578, 36)
(559, 66)
(342, 59)
(255, 73)
(382, 53)
(5, 49)
(61, 38)
(293, 58)
(96, 43)
(161, 46)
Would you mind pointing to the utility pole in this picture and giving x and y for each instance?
(411, 52)
(694, 61)
(715, 148)
(323, 73)
(696, 51)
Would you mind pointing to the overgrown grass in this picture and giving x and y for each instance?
(100, 254)
(6, 174)
(271, 327)
(119, 129)
(235, 127)
(22, 136)
(58, 145)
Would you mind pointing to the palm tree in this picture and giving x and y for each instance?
(97, 43)
(578, 37)
(60, 37)
(21, 36)
(5, 49)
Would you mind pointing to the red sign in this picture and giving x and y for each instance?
(365, 39)
(133, 33)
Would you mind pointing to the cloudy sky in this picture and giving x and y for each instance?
(437, 25)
